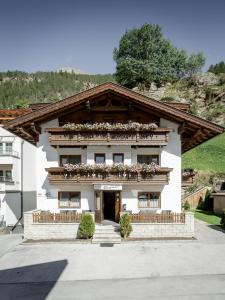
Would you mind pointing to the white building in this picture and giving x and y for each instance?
(109, 191)
(17, 163)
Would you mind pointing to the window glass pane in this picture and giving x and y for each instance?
(118, 158)
(1, 147)
(1, 173)
(147, 159)
(74, 159)
(63, 160)
(63, 200)
(154, 200)
(8, 147)
(143, 200)
(8, 174)
(75, 199)
(99, 158)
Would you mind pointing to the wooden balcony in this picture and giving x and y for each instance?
(64, 137)
(188, 177)
(58, 175)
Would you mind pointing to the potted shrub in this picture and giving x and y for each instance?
(87, 227)
(125, 226)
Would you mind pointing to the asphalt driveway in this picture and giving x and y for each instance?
(156, 269)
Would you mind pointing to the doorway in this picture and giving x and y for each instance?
(111, 206)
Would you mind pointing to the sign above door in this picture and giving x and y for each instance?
(108, 187)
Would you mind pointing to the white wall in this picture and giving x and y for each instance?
(11, 196)
(170, 156)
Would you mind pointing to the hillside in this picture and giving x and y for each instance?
(19, 89)
(205, 93)
(209, 156)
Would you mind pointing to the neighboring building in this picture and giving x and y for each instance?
(17, 164)
(109, 191)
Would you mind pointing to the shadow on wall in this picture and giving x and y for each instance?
(31, 282)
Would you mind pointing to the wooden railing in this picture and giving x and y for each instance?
(188, 181)
(62, 137)
(157, 218)
(48, 217)
(59, 175)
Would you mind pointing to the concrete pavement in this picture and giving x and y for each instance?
(8, 242)
(157, 269)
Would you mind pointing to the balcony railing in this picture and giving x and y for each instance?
(9, 153)
(64, 137)
(6, 179)
(58, 175)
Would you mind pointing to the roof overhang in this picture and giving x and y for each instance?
(199, 130)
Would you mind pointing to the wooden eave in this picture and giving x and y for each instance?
(197, 130)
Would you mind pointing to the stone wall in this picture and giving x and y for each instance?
(39, 231)
(167, 230)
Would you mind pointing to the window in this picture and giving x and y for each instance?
(118, 158)
(70, 159)
(149, 200)
(148, 159)
(8, 175)
(99, 158)
(5, 175)
(69, 200)
(8, 147)
(1, 148)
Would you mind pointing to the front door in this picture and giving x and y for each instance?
(98, 206)
(111, 205)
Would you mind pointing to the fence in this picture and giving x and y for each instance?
(158, 218)
(47, 217)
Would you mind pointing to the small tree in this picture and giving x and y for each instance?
(86, 227)
(125, 226)
(222, 222)
(186, 205)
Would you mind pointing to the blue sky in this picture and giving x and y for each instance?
(46, 34)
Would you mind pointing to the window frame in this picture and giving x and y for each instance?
(122, 154)
(152, 155)
(149, 200)
(7, 146)
(101, 155)
(61, 156)
(69, 199)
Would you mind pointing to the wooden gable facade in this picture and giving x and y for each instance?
(113, 103)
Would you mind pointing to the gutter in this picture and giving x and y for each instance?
(21, 190)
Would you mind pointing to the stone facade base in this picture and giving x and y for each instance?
(39, 231)
(165, 230)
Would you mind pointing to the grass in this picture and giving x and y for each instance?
(210, 156)
(208, 216)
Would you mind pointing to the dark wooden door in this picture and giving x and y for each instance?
(98, 207)
(117, 206)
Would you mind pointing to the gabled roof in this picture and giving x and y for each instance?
(204, 129)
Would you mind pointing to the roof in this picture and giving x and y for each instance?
(201, 129)
(11, 114)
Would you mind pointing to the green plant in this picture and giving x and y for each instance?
(186, 205)
(87, 227)
(144, 56)
(222, 222)
(125, 226)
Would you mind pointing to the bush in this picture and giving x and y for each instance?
(186, 205)
(125, 226)
(222, 222)
(87, 227)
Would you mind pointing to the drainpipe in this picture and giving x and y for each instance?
(21, 188)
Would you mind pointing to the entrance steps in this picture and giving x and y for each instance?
(106, 234)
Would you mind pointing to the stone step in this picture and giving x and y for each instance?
(106, 240)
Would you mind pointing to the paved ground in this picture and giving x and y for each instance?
(156, 270)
